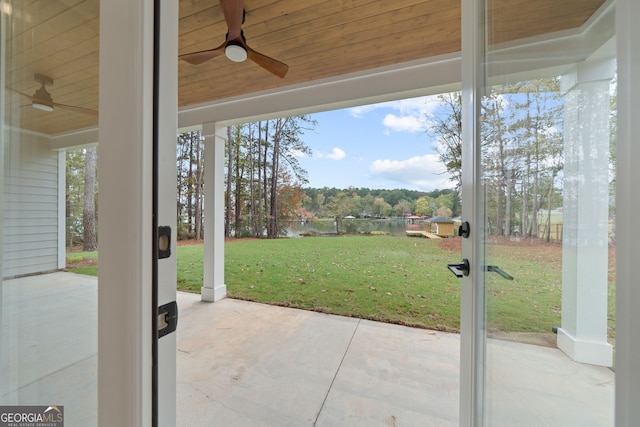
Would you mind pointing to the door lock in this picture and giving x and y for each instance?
(167, 318)
(164, 241)
(464, 230)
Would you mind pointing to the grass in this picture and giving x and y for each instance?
(398, 280)
(83, 263)
(392, 279)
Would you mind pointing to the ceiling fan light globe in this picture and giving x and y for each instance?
(235, 53)
(42, 106)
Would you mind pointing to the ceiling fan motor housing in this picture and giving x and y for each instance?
(42, 100)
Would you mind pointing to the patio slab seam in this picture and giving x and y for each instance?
(346, 351)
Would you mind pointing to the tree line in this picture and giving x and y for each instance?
(371, 203)
(264, 178)
(522, 137)
(522, 162)
(522, 148)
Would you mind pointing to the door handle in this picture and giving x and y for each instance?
(496, 269)
(460, 270)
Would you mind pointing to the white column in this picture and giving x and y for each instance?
(583, 335)
(214, 288)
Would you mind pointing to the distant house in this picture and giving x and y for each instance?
(439, 226)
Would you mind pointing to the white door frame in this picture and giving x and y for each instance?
(167, 195)
(627, 362)
(125, 160)
(125, 168)
(472, 340)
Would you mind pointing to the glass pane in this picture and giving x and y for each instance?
(48, 317)
(548, 165)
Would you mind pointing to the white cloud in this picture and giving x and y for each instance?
(298, 153)
(404, 123)
(410, 115)
(336, 154)
(422, 172)
(359, 112)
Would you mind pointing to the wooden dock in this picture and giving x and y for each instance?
(420, 233)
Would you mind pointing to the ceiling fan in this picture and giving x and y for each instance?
(42, 99)
(235, 46)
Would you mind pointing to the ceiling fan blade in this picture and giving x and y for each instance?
(233, 11)
(42, 92)
(19, 93)
(75, 109)
(272, 65)
(197, 58)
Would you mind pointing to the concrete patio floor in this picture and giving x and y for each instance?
(246, 364)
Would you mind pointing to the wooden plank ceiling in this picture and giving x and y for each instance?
(316, 38)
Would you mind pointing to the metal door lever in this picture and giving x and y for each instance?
(461, 269)
(500, 271)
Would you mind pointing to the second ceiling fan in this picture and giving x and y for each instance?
(42, 100)
(235, 46)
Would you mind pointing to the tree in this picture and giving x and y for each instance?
(447, 130)
(227, 195)
(190, 182)
(239, 179)
(521, 151)
(74, 197)
(424, 206)
(402, 208)
(342, 205)
(263, 175)
(286, 146)
(90, 242)
(538, 129)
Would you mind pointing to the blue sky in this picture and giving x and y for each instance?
(380, 146)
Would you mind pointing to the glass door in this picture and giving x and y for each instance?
(48, 317)
(539, 196)
(54, 323)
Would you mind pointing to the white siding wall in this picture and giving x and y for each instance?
(30, 206)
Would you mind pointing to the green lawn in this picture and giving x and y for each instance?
(399, 280)
(393, 279)
(83, 263)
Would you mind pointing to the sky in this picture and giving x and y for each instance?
(380, 146)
